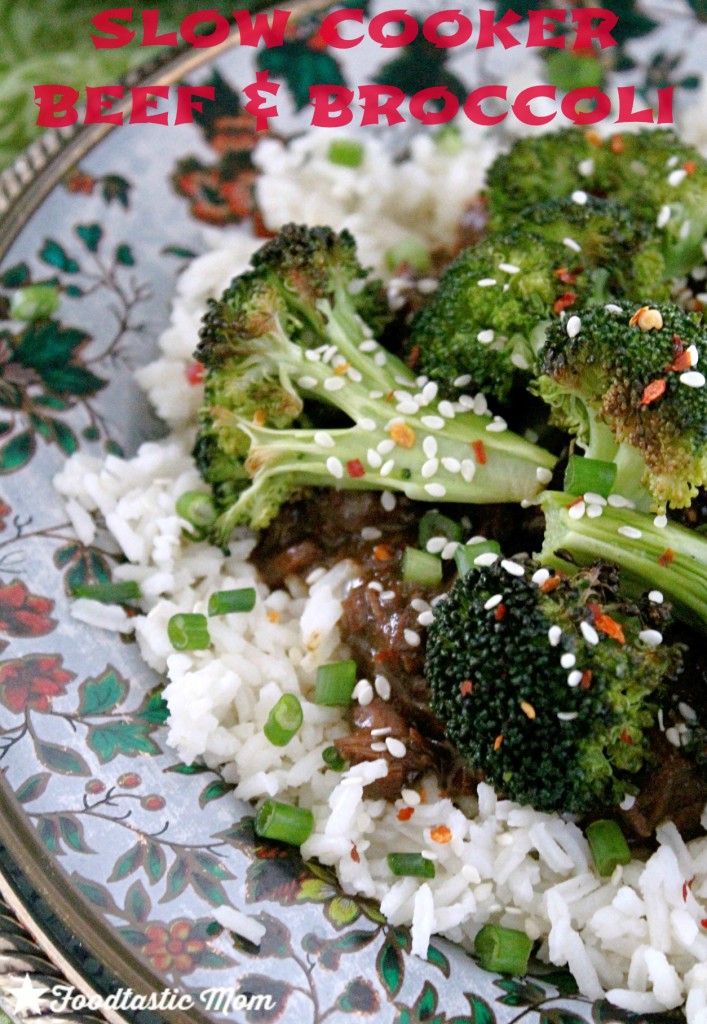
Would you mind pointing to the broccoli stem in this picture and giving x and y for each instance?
(671, 559)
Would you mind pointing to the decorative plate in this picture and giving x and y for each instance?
(113, 853)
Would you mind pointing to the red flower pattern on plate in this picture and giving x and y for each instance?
(31, 683)
(173, 946)
(22, 613)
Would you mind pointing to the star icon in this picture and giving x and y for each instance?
(27, 997)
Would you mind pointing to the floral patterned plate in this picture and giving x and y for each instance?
(114, 853)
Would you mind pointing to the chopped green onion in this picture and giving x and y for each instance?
(346, 153)
(333, 759)
(34, 302)
(109, 593)
(280, 821)
(608, 845)
(284, 720)
(421, 567)
(225, 601)
(589, 475)
(504, 950)
(434, 524)
(409, 251)
(188, 632)
(465, 554)
(197, 508)
(335, 683)
(411, 864)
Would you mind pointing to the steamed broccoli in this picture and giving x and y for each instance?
(622, 378)
(487, 318)
(300, 394)
(546, 683)
(660, 179)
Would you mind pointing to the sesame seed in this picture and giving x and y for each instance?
(387, 467)
(672, 160)
(375, 395)
(661, 723)
(513, 568)
(371, 533)
(661, 522)
(497, 425)
(379, 747)
(307, 382)
(628, 801)
(663, 216)
(312, 355)
(429, 468)
(486, 337)
(368, 346)
(449, 550)
(486, 282)
(594, 510)
(655, 596)
(436, 490)
(432, 422)
(334, 383)
(461, 382)
(589, 633)
(540, 576)
(677, 177)
(595, 499)
(568, 660)
(366, 423)
(396, 748)
(693, 379)
(435, 545)
(687, 712)
(388, 501)
(685, 229)
(586, 167)
(452, 465)
(574, 678)
(385, 447)
(611, 307)
(481, 406)
(542, 475)
(353, 374)
(375, 585)
(418, 604)
(574, 326)
(468, 469)
(446, 409)
(429, 392)
(324, 440)
(335, 467)
(652, 637)
(509, 268)
(673, 736)
(567, 716)
(577, 510)
(401, 396)
(411, 797)
(314, 575)
(384, 731)
(519, 361)
(425, 618)
(409, 407)
(375, 461)
(630, 531)
(411, 637)
(429, 446)
(488, 558)
(363, 692)
(693, 354)
(382, 687)
(571, 244)
(380, 359)
(618, 501)
(493, 602)
(580, 197)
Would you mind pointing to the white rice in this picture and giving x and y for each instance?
(639, 937)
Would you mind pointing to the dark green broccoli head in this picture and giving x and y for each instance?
(488, 316)
(660, 179)
(630, 393)
(547, 688)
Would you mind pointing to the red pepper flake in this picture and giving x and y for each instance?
(405, 813)
(382, 553)
(550, 584)
(194, 372)
(466, 687)
(500, 612)
(626, 737)
(703, 922)
(564, 302)
(594, 138)
(681, 363)
(414, 357)
(667, 558)
(617, 144)
(440, 834)
(686, 888)
(689, 167)
(355, 855)
(586, 680)
(259, 418)
(498, 742)
(355, 468)
(565, 275)
(479, 452)
(653, 391)
(605, 624)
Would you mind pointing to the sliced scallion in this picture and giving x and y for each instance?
(335, 683)
(466, 553)
(421, 567)
(608, 845)
(333, 759)
(225, 601)
(34, 302)
(346, 153)
(411, 864)
(188, 632)
(434, 524)
(504, 950)
(197, 507)
(284, 720)
(275, 820)
(109, 593)
(589, 475)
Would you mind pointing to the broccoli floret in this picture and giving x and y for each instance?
(660, 179)
(621, 378)
(546, 687)
(487, 318)
(651, 554)
(288, 349)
